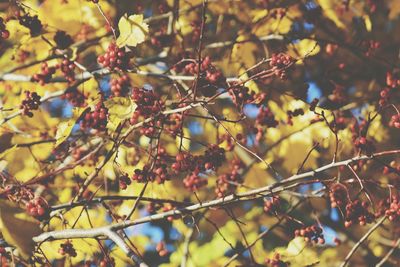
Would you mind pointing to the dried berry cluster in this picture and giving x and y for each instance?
(242, 95)
(115, 58)
(96, 119)
(359, 132)
(31, 102)
(124, 181)
(32, 23)
(67, 248)
(311, 234)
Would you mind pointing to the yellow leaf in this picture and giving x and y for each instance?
(18, 228)
(119, 109)
(64, 129)
(132, 30)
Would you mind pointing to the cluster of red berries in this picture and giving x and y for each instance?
(4, 33)
(161, 249)
(173, 124)
(279, 63)
(107, 262)
(32, 23)
(395, 121)
(115, 58)
(45, 75)
(124, 181)
(228, 182)
(242, 95)
(338, 195)
(38, 208)
(294, 113)
(393, 211)
(67, 248)
(149, 103)
(31, 102)
(120, 86)
(156, 172)
(359, 132)
(210, 78)
(265, 117)
(392, 82)
(74, 96)
(311, 233)
(96, 119)
(273, 205)
(214, 157)
(194, 182)
(275, 261)
(153, 207)
(338, 94)
(357, 212)
(68, 69)
(339, 123)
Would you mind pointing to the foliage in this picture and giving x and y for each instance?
(199, 133)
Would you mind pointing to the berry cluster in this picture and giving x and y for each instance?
(4, 33)
(370, 46)
(74, 96)
(210, 78)
(265, 118)
(149, 103)
(161, 39)
(338, 195)
(194, 182)
(173, 124)
(115, 58)
(124, 181)
(156, 172)
(31, 102)
(161, 249)
(67, 248)
(273, 205)
(169, 207)
(228, 182)
(68, 69)
(395, 121)
(311, 234)
(120, 86)
(359, 132)
(96, 119)
(357, 212)
(393, 211)
(32, 23)
(276, 261)
(242, 95)
(38, 208)
(279, 63)
(45, 75)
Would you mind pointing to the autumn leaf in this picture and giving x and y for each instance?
(12, 217)
(132, 30)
